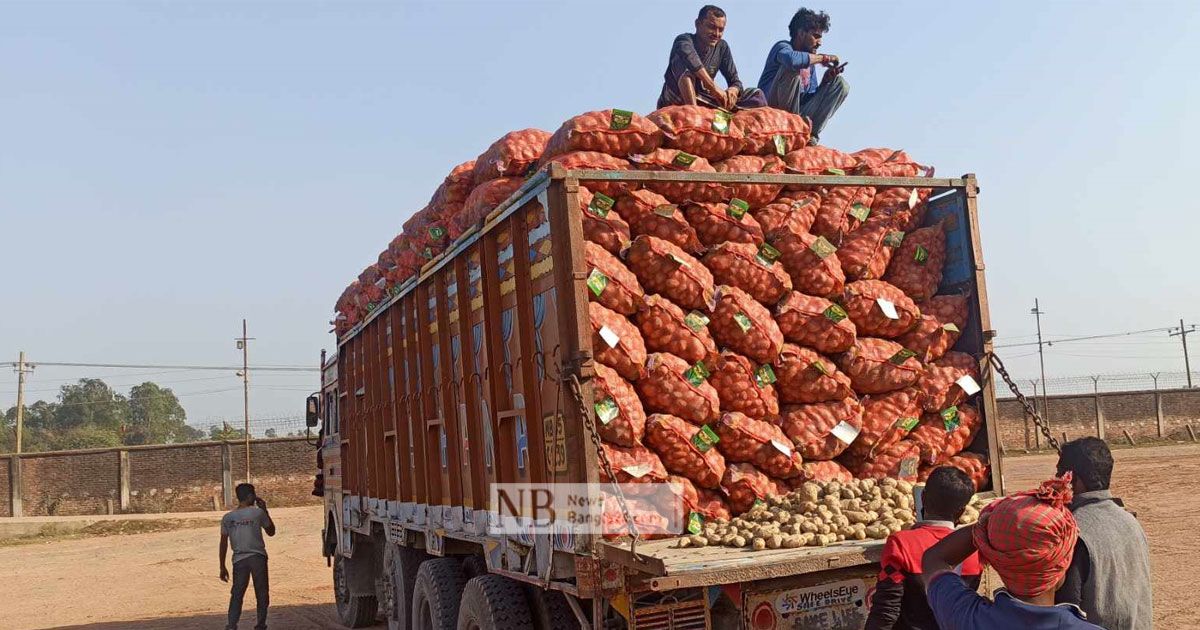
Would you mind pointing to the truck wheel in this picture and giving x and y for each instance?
(494, 602)
(400, 565)
(550, 609)
(436, 594)
(354, 611)
(474, 566)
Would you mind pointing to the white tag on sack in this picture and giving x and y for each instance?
(782, 448)
(968, 385)
(609, 336)
(888, 308)
(639, 471)
(913, 199)
(845, 432)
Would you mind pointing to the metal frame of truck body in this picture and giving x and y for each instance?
(406, 360)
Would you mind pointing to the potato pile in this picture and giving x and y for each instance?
(784, 348)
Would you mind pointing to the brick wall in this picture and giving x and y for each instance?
(164, 478)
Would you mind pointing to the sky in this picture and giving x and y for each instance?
(170, 168)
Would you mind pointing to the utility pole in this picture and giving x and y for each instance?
(1182, 334)
(1037, 312)
(22, 369)
(243, 344)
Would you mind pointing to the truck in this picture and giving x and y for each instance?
(478, 372)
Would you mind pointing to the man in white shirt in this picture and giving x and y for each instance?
(242, 529)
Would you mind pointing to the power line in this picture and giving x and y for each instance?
(1087, 337)
(262, 368)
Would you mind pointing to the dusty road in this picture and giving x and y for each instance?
(168, 580)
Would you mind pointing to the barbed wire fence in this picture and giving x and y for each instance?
(1109, 383)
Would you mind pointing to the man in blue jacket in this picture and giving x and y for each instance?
(789, 78)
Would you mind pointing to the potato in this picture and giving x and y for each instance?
(859, 517)
(739, 541)
(758, 544)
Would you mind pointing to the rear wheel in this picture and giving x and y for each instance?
(493, 602)
(436, 594)
(400, 568)
(550, 609)
(354, 611)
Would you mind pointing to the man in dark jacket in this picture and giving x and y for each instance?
(1109, 576)
(692, 68)
(789, 77)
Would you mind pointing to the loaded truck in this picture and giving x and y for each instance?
(479, 371)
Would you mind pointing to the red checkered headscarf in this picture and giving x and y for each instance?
(1029, 537)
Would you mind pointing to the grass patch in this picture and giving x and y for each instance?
(110, 528)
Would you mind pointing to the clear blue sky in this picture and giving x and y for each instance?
(170, 168)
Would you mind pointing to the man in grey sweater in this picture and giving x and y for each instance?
(1109, 576)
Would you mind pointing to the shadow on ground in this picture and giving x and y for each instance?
(300, 617)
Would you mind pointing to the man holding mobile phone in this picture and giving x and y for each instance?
(789, 77)
(242, 529)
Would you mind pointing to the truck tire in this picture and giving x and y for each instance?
(494, 602)
(354, 611)
(550, 609)
(436, 594)
(474, 566)
(401, 565)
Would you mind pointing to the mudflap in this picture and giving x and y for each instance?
(831, 600)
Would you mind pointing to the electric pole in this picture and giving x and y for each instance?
(1182, 334)
(22, 369)
(243, 344)
(1037, 312)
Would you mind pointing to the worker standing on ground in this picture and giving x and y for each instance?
(1109, 576)
(789, 76)
(242, 529)
(1028, 538)
(692, 68)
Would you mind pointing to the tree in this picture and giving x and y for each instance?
(155, 416)
(271, 433)
(225, 432)
(91, 402)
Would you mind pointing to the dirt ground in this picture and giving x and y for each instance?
(168, 580)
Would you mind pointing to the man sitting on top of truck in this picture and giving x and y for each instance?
(788, 77)
(899, 600)
(692, 68)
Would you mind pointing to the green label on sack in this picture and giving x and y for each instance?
(427, 253)
(834, 171)
(696, 374)
(695, 523)
(907, 424)
(607, 410)
(822, 248)
(683, 159)
(764, 376)
(394, 290)
(767, 255)
(820, 367)
(695, 320)
(601, 204)
(950, 418)
(436, 232)
(900, 357)
(860, 211)
(720, 123)
(743, 322)
(666, 210)
(371, 306)
(597, 282)
(921, 255)
(737, 209)
(835, 313)
(781, 147)
(621, 119)
(950, 327)
(758, 503)
(704, 439)
(893, 239)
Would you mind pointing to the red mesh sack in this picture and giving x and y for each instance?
(798, 211)
(679, 161)
(650, 214)
(891, 163)
(707, 503)
(974, 464)
(484, 198)
(717, 223)
(651, 521)
(877, 366)
(602, 224)
(753, 269)
(427, 229)
(744, 485)
(666, 269)
(616, 342)
(610, 282)
(898, 461)
(613, 131)
(703, 131)
(822, 430)
(866, 252)
(596, 161)
(744, 439)
(815, 322)
(632, 464)
(665, 328)
(819, 160)
(756, 195)
(686, 449)
(453, 191)
(745, 326)
(916, 267)
(622, 421)
(826, 471)
(943, 318)
(879, 309)
(770, 131)
(514, 154)
(804, 376)
(886, 419)
(843, 209)
(744, 387)
(672, 386)
(908, 209)
(949, 381)
(944, 434)
(811, 261)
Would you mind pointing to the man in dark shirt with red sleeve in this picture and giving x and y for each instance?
(899, 601)
(694, 62)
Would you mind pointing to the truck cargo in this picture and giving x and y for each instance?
(482, 369)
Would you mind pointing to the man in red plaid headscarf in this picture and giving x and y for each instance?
(1028, 538)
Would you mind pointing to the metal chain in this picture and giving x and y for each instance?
(1029, 408)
